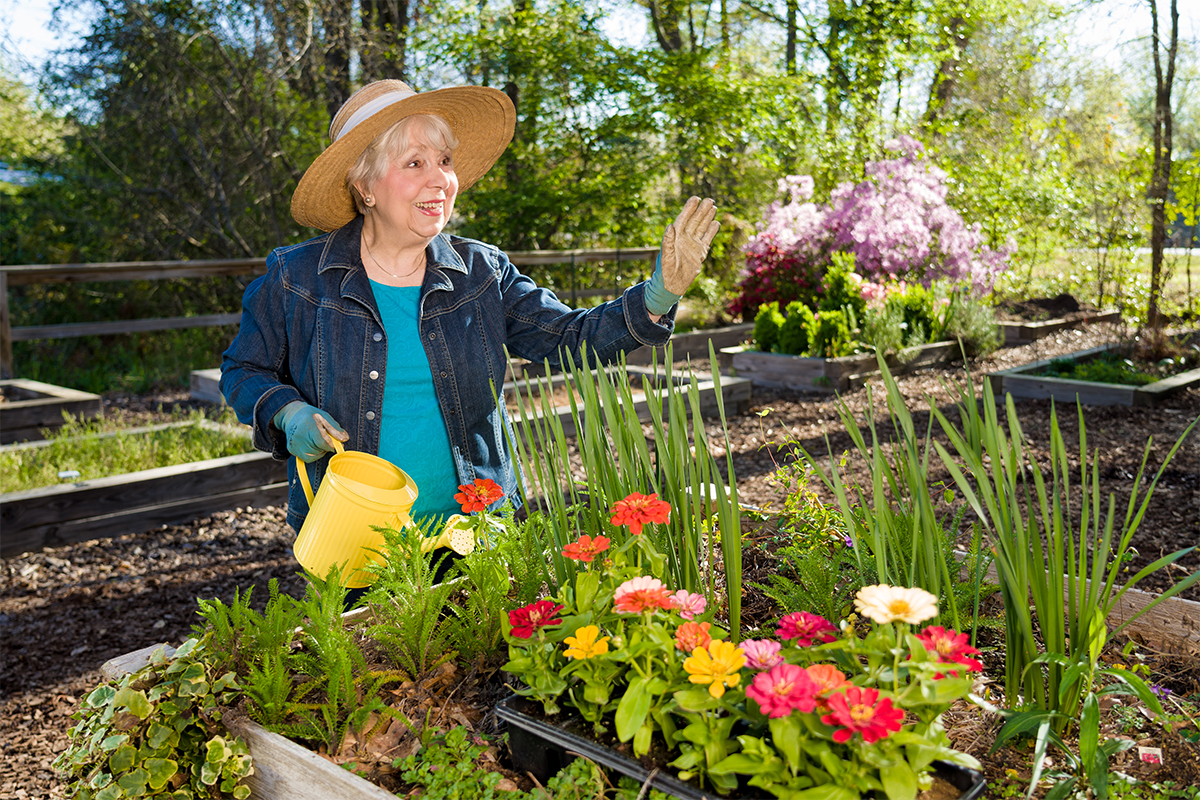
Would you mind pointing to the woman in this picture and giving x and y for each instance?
(389, 332)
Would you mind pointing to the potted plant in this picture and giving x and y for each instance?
(817, 710)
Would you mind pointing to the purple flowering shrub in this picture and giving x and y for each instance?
(896, 223)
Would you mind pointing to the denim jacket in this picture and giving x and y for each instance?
(311, 331)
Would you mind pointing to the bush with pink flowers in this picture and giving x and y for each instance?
(870, 242)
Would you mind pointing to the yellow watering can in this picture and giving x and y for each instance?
(359, 491)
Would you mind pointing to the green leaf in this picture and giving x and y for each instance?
(632, 710)
(122, 759)
(100, 696)
(135, 701)
(161, 770)
(788, 737)
(114, 741)
(899, 781)
(134, 783)
(1089, 729)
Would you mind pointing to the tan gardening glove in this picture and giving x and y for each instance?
(684, 248)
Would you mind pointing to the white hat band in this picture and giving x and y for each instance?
(369, 109)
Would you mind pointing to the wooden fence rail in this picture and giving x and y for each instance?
(26, 274)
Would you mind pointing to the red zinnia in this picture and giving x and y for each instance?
(950, 647)
(586, 548)
(805, 628)
(782, 690)
(526, 620)
(637, 510)
(479, 495)
(861, 711)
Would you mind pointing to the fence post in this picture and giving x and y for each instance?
(6, 355)
(574, 299)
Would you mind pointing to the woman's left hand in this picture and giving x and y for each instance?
(684, 248)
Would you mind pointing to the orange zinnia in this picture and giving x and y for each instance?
(479, 495)
(637, 510)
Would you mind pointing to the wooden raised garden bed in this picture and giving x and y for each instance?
(735, 393)
(843, 374)
(1023, 381)
(29, 407)
(137, 501)
(694, 344)
(1019, 333)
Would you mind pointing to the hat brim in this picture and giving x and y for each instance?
(483, 120)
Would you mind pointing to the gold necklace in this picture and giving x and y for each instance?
(408, 274)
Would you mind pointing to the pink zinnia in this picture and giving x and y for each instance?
(688, 604)
(782, 690)
(761, 653)
(640, 594)
(806, 628)
(950, 647)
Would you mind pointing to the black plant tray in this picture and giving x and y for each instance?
(544, 749)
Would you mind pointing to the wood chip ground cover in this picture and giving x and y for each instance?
(65, 611)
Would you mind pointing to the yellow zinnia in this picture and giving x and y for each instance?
(717, 665)
(584, 643)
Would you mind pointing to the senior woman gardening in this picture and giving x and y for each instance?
(390, 333)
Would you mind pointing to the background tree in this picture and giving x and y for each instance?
(1160, 180)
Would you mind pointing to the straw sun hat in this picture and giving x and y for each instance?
(481, 118)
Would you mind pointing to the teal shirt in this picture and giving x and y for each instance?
(413, 434)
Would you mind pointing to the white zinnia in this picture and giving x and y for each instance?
(884, 603)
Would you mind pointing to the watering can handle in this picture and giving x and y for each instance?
(302, 470)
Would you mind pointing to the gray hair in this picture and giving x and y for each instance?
(373, 163)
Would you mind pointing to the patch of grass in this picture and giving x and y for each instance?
(96, 449)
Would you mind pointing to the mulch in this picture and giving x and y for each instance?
(65, 611)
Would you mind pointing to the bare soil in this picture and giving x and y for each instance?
(65, 611)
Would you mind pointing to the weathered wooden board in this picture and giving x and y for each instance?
(137, 501)
(33, 406)
(1018, 333)
(1020, 382)
(829, 375)
(735, 394)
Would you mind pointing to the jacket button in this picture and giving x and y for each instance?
(443, 374)
(378, 336)
(373, 375)
(432, 336)
(453, 411)
(370, 415)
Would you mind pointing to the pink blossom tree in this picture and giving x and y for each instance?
(896, 222)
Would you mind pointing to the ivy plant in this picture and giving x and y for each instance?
(157, 733)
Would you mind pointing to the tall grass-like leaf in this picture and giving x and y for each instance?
(893, 522)
(1057, 575)
(617, 457)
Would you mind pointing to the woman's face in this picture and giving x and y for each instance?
(415, 198)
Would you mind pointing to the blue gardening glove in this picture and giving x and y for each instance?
(307, 438)
(684, 248)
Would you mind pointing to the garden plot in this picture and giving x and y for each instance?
(29, 407)
(829, 375)
(90, 507)
(1031, 381)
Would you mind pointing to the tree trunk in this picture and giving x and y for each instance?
(337, 54)
(384, 50)
(790, 57)
(945, 79)
(665, 18)
(1160, 177)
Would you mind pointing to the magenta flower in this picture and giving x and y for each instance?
(806, 628)
(782, 690)
(762, 653)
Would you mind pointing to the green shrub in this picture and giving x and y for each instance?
(767, 323)
(838, 289)
(832, 337)
(795, 334)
